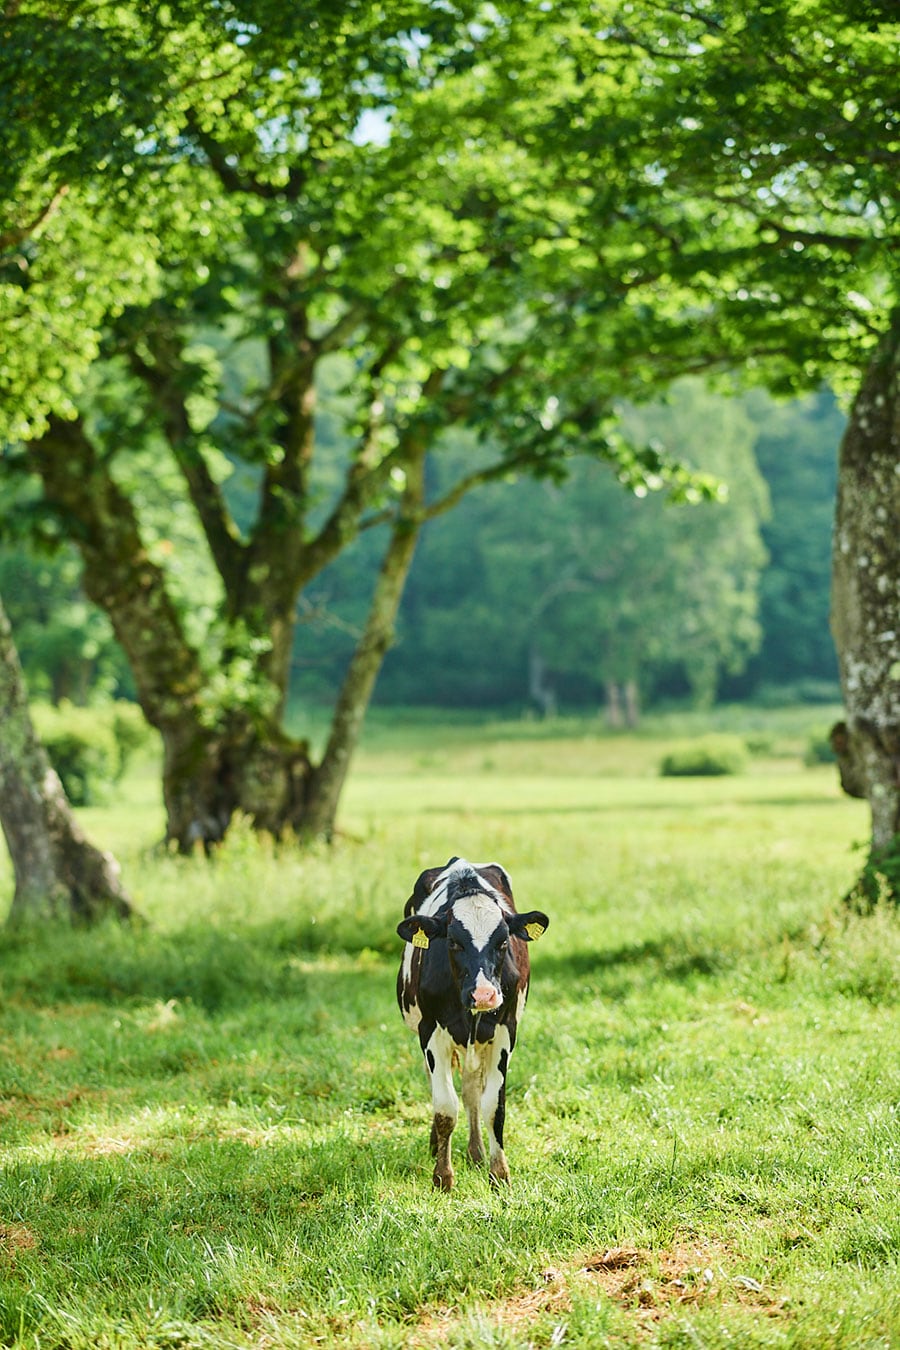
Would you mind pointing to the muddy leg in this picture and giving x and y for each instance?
(472, 1090)
(444, 1105)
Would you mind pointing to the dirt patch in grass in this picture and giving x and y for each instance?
(684, 1274)
(648, 1284)
(15, 1237)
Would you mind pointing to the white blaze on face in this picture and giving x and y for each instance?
(480, 917)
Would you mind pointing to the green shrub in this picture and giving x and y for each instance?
(90, 747)
(131, 730)
(760, 743)
(706, 757)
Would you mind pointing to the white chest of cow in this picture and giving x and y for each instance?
(462, 987)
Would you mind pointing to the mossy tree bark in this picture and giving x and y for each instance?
(58, 873)
(864, 618)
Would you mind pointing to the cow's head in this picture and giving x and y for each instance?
(477, 933)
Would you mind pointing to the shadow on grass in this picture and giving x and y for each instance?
(218, 969)
(191, 1226)
(674, 957)
(213, 968)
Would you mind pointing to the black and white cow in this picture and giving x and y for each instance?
(462, 987)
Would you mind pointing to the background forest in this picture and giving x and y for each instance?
(608, 598)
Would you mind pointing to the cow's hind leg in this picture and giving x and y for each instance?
(493, 1103)
(444, 1104)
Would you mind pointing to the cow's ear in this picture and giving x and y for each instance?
(419, 929)
(529, 926)
(425, 883)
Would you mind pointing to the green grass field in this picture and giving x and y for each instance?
(214, 1129)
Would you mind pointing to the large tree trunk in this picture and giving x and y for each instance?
(58, 873)
(865, 620)
(238, 766)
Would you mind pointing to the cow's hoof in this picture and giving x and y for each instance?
(443, 1181)
(499, 1173)
(476, 1155)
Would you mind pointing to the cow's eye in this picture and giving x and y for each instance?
(454, 945)
(503, 949)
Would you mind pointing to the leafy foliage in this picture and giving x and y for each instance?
(65, 643)
(796, 448)
(599, 585)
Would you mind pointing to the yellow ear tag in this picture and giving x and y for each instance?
(420, 939)
(534, 930)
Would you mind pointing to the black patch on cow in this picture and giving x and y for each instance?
(430, 1057)
(500, 1113)
(425, 883)
(485, 1026)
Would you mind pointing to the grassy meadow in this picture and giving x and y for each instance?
(214, 1128)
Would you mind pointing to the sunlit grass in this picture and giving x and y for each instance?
(214, 1129)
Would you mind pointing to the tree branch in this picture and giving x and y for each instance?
(478, 478)
(851, 242)
(364, 481)
(232, 178)
(12, 238)
(206, 496)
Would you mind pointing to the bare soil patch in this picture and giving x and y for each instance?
(16, 1237)
(647, 1283)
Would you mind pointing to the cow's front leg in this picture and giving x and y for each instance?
(444, 1104)
(474, 1060)
(493, 1103)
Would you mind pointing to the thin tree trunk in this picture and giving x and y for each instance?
(615, 717)
(864, 616)
(58, 873)
(540, 689)
(632, 703)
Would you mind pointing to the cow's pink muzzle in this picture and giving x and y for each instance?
(486, 997)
